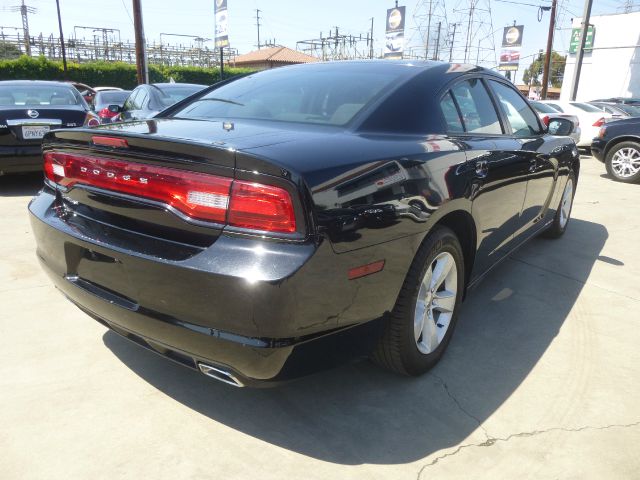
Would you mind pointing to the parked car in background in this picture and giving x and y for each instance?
(145, 101)
(296, 217)
(618, 110)
(107, 89)
(104, 98)
(86, 91)
(624, 101)
(591, 118)
(547, 113)
(30, 109)
(618, 147)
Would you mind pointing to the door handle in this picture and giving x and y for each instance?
(533, 165)
(482, 168)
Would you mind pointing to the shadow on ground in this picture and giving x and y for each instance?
(360, 414)
(20, 185)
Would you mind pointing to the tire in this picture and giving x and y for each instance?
(623, 162)
(400, 348)
(563, 212)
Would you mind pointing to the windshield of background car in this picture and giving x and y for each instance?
(542, 108)
(170, 95)
(586, 107)
(38, 95)
(112, 98)
(315, 96)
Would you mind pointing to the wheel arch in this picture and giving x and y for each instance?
(615, 141)
(462, 224)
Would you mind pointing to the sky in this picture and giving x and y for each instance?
(288, 21)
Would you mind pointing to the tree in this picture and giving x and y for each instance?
(533, 74)
(9, 50)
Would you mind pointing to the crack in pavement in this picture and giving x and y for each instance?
(491, 440)
(461, 408)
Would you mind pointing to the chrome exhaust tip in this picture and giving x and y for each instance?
(220, 375)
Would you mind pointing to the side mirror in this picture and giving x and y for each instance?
(114, 108)
(560, 126)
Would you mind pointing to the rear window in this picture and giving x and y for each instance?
(314, 96)
(110, 98)
(632, 110)
(38, 95)
(586, 107)
(542, 107)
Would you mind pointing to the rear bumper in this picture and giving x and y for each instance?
(264, 312)
(597, 148)
(20, 159)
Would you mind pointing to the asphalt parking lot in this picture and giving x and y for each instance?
(541, 380)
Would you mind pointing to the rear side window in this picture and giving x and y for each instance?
(478, 113)
(523, 121)
(129, 104)
(450, 114)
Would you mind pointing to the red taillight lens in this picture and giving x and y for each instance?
(198, 195)
(261, 207)
(599, 123)
(545, 120)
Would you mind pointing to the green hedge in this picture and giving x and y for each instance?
(113, 74)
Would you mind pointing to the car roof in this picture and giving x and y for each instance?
(21, 83)
(169, 85)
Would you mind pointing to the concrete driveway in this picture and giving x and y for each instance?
(541, 380)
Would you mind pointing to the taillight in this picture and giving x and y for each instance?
(261, 207)
(106, 113)
(91, 120)
(545, 120)
(599, 123)
(602, 132)
(200, 196)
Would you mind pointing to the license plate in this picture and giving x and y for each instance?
(34, 133)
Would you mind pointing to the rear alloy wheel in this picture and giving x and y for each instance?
(421, 325)
(623, 162)
(563, 213)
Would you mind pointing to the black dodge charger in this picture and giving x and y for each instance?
(298, 217)
(30, 109)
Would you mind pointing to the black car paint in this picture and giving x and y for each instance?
(18, 155)
(266, 307)
(627, 129)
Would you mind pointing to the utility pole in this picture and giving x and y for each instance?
(141, 59)
(435, 54)
(64, 51)
(371, 44)
(258, 25)
(453, 40)
(580, 52)
(547, 60)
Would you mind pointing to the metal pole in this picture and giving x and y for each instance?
(453, 39)
(140, 46)
(435, 55)
(371, 46)
(221, 64)
(580, 53)
(64, 51)
(547, 60)
(426, 47)
(258, 26)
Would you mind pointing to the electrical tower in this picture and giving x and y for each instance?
(25, 10)
(476, 29)
(432, 25)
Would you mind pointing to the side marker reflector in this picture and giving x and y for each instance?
(365, 270)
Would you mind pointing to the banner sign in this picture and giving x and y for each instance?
(394, 44)
(511, 46)
(574, 44)
(222, 24)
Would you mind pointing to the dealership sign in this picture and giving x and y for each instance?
(511, 47)
(574, 44)
(394, 39)
(222, 24)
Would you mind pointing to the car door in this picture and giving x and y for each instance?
(498, 178)
(526, 138)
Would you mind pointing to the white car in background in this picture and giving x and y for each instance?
(546, 113)
(591, 118)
